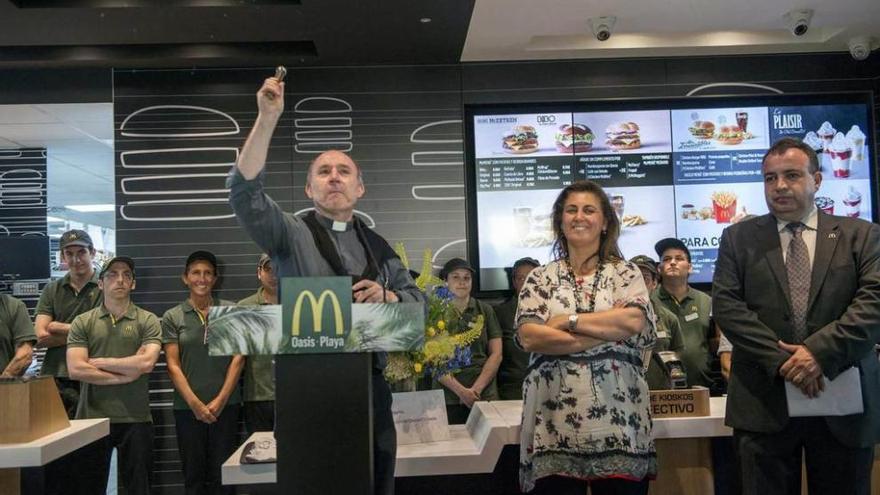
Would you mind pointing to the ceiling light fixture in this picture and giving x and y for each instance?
(91, 208)
(425, 20)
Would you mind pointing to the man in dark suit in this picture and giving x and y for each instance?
(797, 292)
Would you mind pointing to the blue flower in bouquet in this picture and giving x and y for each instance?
(462, 357)
(448, 336)
(443, 293)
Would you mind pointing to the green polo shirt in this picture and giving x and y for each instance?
(515, 361)
(183, 326)
(63, 303)
(479, 352)
(15, 328)
(258, 379)
(694, 313)
(669, 338)
(104, 336)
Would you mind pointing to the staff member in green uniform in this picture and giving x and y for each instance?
(17, 337)
(514, 360)
(207, 401)
(112, 350)
(259, 387)
(668, 329)
(692, 307)
(61, 301)
(477, 380)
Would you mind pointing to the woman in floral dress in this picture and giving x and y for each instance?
(587, 320)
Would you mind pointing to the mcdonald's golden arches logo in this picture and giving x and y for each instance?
(316, 312)
(317, 307)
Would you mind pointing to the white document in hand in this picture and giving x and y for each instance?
(841, 397)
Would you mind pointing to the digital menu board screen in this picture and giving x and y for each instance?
(671, 168)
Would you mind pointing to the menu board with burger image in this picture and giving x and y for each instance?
(631, 148)
(684, 172)
(527, 151)
(713, 145)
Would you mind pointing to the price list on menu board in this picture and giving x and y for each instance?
(505, 174)
(626, 170)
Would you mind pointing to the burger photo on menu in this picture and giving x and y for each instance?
(520, 139)
(717, 128)
(702, 129)
(576, 138)
(623, 136)
(730, 135)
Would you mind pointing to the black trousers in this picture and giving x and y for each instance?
(562, 485)
(457, 414)
(69, 390)
(384, 437)
(204, 448)
(259, 416)
(724, 466)
(134, 446)
(54, 477)
(770, 463)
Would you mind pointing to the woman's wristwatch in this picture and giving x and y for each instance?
(572, 322)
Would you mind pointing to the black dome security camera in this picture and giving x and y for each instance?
(798, 21)
(602, 27)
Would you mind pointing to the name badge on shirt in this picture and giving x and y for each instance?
(691, 317)
(662, 334)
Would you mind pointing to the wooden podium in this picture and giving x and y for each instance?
(30, 409)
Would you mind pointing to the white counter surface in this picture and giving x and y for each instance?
(475, 447)
(41, 451)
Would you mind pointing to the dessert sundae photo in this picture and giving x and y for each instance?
(853, 203)
(826, 132)
(840, 152)
(857, 138)
(825, 204)
(576, 138)
(623, 136)
(812, 140)
(521, 139)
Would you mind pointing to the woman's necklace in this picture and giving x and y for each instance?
(203, 318)
(579, 288)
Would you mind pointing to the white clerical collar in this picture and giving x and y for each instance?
(334, 225)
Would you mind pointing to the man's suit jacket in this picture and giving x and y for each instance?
(751, 305)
